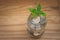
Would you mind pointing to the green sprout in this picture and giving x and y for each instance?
(37, 11)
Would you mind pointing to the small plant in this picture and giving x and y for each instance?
(37, 11)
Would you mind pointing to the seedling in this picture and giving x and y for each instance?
(37, 11)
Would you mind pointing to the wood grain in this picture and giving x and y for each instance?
(14, 15)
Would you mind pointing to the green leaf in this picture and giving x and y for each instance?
(34, 11)
(31, 10)
(37, 11)
(42, 13)
(38, 8)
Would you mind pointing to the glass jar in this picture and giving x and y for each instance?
(36, 26)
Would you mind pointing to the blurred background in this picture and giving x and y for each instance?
(14, 15)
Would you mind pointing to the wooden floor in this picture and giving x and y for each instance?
(14, 15)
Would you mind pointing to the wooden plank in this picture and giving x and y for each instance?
(22, 2)
(53, 19)
(27, 36)
(12, 20)
(24, 32)
(18, 11)
(24, 27)
(19, 36)
(48, 3)
(31, 39)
